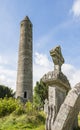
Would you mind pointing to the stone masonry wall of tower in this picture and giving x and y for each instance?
(24, 73)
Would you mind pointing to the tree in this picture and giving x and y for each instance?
(6, 91)
(40, 93)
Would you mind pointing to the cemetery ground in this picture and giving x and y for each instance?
(23, 122)
(16, 116)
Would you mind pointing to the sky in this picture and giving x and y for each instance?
(55, 22)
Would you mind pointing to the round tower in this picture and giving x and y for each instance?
(24, 73)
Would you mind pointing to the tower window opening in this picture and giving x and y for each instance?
(21, 24)
(30, 25)
(25, 94)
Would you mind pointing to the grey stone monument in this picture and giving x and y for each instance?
(58, 86)
(24, 73)
(46, 106)
(69, 110)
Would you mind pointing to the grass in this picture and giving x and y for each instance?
(16, 116)
(22, 122)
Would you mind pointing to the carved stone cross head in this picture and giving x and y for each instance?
(57, 58)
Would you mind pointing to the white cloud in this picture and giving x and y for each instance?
(3, 60)
(72, 73)
(42, 60)
(76, 8)
(7, 77)
(41, 66)
(38, 72)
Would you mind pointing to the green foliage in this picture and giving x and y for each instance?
(77, 128)
(79, 119)
(41, 116)
(17, 116)
(19, 110)
(5, 92)
(37, 101)
(40, 94)
(7, 106)
(22, 122)
(29, 107)
(23, 117)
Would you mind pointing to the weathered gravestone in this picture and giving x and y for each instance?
(58, 85)
(46, 106)
(69, 110)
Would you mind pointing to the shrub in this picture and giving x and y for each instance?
(41, 116)
(19, 110)
(7, 106)
(77, 128)
(6, 91)
(29, 108)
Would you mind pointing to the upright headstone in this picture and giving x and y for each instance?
(24, 74)
(58, 86)
(46, 106)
